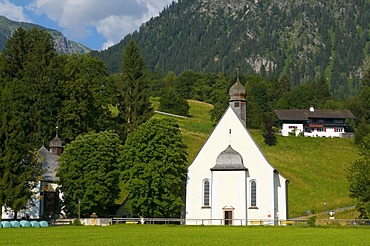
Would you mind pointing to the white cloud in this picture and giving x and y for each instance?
(113, 18)
(12, 12)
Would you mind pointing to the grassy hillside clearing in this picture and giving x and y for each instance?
(196, 128)
(315, 167)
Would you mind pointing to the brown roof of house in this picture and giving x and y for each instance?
(305, 114)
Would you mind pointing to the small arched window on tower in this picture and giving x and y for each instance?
(253, 185)
(206, 192)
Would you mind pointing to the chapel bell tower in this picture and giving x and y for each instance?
(238, 100)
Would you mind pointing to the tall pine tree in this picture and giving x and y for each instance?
(26, 112)
(133, 95)
(30, 72)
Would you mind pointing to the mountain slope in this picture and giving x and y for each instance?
(62, 44)
(302, 39)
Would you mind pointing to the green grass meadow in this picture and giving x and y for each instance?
(184, 235)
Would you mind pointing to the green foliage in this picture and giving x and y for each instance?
(359, 179)
(171, 101)
(25, 111)
(268, 132)
(43, 89)
(31, 83)
(133, 94)
(154, 164)
(77, 222)
(185, 82)
(19, 175)
(311, 221)
(86, 94)
(89, 173)
(362, 130)
(366, 79)
(219, 96)
(257, 100)
(365, 103)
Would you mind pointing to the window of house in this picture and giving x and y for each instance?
(253, 193)
(206, 193)
(236, 104)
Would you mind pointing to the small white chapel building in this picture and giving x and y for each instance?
(45, 202)
(230, 182)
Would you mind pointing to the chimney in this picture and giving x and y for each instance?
(312, 109)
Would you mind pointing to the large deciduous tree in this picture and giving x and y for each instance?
(133, 95)
(89, 172)
(171, 101)
(154, 169)
(86, 95)
(359, 179)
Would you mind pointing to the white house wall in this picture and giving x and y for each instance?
(228, 195)
(328, 132)
(32, 208)
(287, 128)
(315, 132)
(258, 169)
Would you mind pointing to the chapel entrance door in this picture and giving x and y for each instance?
(228, 217)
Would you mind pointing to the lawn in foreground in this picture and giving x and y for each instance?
(184, 235)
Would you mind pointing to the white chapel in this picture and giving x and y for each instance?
(230, 182)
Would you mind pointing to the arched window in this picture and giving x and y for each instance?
(206, 192)
(253, 193)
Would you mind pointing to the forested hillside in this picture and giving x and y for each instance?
(301, 39)
(61, 43)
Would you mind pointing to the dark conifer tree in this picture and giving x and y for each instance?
(268, 132)
(133, 95)
(31, 76)
(26, 110)
(366, 79)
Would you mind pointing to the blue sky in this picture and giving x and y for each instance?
(97, 24)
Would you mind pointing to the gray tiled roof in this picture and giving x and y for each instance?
(229, 159)
(56, 142)
(49, 164)
(305, 114)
